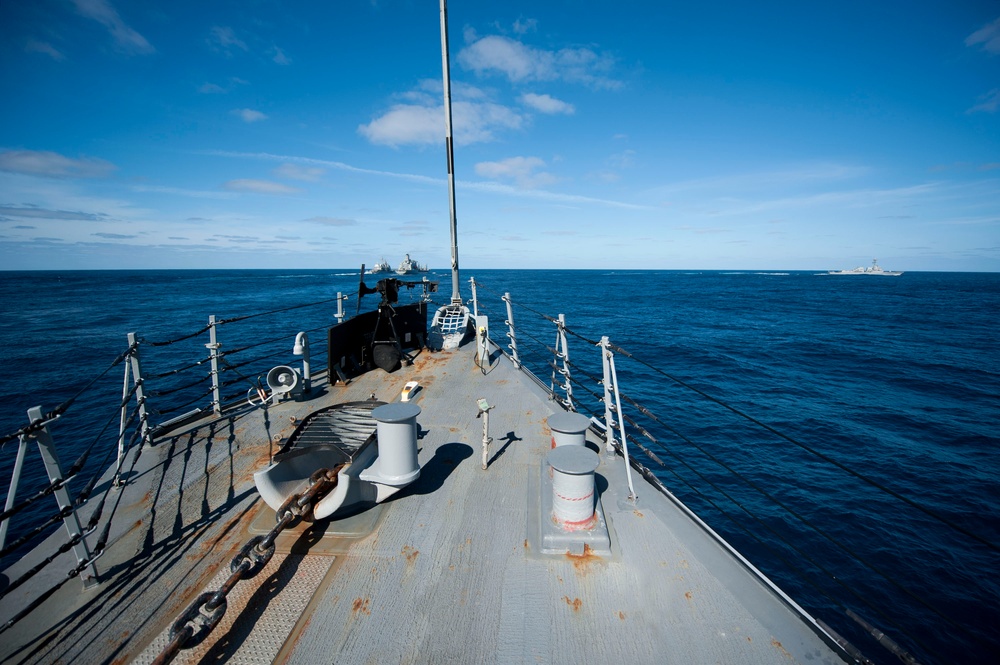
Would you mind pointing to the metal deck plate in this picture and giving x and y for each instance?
(261, 613)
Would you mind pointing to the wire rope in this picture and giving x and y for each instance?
(860, 476)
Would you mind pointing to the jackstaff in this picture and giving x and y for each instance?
(456, 298)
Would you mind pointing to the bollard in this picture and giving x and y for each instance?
(397, 442)
(573, 487)
(568, 428)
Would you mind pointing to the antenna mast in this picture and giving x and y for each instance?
(456, 297)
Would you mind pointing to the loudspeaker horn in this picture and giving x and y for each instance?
(283, 379)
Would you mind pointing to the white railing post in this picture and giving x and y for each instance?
(123, 421)
(213, 349)
(140, 388)
(609, 422)
(510, 334)
(475, 297)
(340, 306)
(72, 523)
(621, 428)
(15, 479)
(564, 351)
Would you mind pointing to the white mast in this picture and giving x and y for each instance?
(456, 298)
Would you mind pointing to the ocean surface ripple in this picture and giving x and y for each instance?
(880, 388)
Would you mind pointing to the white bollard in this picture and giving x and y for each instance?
(568, 428)
(573, 500)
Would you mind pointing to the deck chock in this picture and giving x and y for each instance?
(409, 390)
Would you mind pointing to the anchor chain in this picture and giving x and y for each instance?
(195, 624)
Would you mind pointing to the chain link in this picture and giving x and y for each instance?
(204, 614)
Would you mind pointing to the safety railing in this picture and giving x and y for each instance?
(165, 384)
(746, 511)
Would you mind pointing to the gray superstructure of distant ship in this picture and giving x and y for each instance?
(409, 267)
(873, 269)
(381, 267)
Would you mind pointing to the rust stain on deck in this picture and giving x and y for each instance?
(361, 605)
(581, 562)
(410, 554)
(576, 603)
(777, 645)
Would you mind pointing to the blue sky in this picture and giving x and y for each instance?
(716, 135)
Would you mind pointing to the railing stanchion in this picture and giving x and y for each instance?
(213, 349)
(340, 307)
(563, 351)
(609, 422)
(621, 427)
(511, 335)
(140, 388)
(475, 297)
(122, 423)
(72, 523)
(15, 479)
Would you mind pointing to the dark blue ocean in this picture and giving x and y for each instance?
(872, 487)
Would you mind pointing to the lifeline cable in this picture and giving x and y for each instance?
(841, 466)
(37, 424)
(788, 509)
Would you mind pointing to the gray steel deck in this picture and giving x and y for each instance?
(442, 572)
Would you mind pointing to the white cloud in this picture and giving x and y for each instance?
(35, 46)
(34, 212)
(214, 88)
(524, 25)
(259, 187)
(52, 164)
(177, 191)
(988, 103)
(296, 172)
(487, 187)
(988, 36)
(332, 221)
(224, 39)
(423, 124)
(477, 121)
(522, 170)
(522, 63)
(622, 160)
(507, 56)
(250, 115)
(280, 57)
(406, 124)
(798, 176)
(547, 104)
(125, 37)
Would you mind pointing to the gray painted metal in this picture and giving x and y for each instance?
(547, 538)
(456, 297)
(55, 473)
(446, 571)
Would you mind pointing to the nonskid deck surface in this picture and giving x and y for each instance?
(443, 572)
